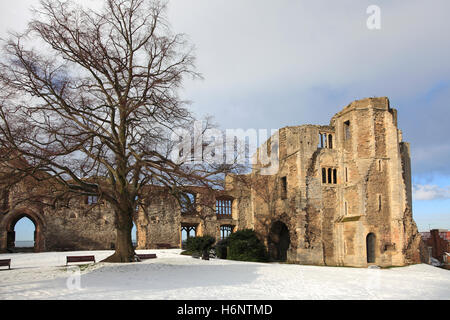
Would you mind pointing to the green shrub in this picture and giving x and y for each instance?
(221, 248)
(244, 245)
(200, 245)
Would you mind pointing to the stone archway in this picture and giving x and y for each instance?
(370, 248)
(278, 241)
(9, 226)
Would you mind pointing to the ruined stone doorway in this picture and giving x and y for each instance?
(279, 241)
(370, 247)
(16, 246)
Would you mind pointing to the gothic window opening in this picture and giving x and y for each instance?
(329, 176)
(324, 175)
(224, 208)
(188, 231)
(225, 231)
(330, 141)
(187, 203)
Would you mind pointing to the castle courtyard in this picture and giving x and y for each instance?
(177, 277)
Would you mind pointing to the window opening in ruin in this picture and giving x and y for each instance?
(92, 199)
(379, 202)
(334, 176)
(224, 208)
(379, 165)
(329, 175)
(325, 141)
(346, 174)
(347, 130)
(283, 187)
(324, 175)
(188, 231)
(187, 203)
(225, 231)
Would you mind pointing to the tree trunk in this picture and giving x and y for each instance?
(124, 245)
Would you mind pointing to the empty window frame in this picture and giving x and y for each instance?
(224, 208)
(225, 231)
(347, 134)
(329, 175)
(187, 202)
(92, 199)
(330, 141)
(283, 186)
(188, 231)
(325, 140)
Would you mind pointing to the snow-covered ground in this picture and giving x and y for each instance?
(173, 276)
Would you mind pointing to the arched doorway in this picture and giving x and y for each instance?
(13, 238)
(24, 235)
(370, 248)
(278, 241)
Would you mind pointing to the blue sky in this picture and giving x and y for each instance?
(268, 64)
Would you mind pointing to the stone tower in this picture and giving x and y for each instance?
(342, 194)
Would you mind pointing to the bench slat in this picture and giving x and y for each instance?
(5, 263)
(79, 259)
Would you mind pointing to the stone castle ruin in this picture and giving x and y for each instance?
(341, 197)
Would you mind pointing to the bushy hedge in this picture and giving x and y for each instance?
(201, 245)
(222, 248)
(244, 245)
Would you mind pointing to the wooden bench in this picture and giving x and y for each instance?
(79, 259)
(146, 256)
(5, 263)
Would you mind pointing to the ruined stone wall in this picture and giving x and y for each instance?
(329, 223)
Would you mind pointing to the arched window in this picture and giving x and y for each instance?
(187, 202)
(330, 141)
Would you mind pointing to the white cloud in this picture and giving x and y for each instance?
(430, 192)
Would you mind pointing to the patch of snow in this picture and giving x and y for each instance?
(174, 276)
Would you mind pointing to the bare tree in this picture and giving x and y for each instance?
(89, 102)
